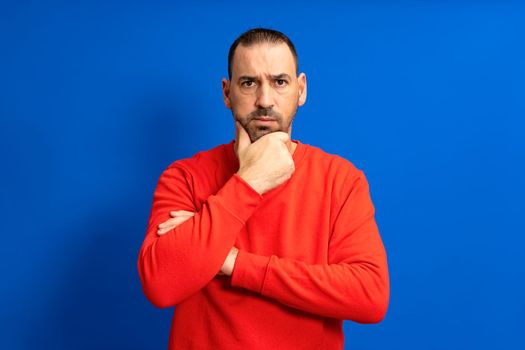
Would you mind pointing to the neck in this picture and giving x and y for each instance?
(291, 146)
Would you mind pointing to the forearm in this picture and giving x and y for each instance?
(357, 291)
(352, 283)
(179, 263)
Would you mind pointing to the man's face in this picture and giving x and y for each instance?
(264, 91)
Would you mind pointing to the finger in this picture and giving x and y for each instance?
(167, 223)
(162, 232)
(181, 213)
(165, 229)
(280, 135)
(242, 139)
(168, 226)
(171, 222)
(174, 221)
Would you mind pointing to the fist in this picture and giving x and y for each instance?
(265, 163)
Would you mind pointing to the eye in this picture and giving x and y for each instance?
(248, 83)
(281, 82)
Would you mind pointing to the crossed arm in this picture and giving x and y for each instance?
(184, 250)
(353, 285)
(177, 218)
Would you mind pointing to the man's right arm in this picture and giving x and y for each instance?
(179, 263)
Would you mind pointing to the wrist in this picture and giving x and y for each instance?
(254, 183)
(229, 263)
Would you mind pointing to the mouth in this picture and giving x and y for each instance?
(265, 119)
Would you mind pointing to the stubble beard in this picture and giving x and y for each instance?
(257, 131)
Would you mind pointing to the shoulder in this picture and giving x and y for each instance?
(202, 161)
(331, 164)
(197, 171)
(339, 177)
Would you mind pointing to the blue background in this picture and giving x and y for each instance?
(98, 98)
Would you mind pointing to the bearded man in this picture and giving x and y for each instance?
(264, 242)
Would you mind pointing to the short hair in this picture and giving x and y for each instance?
(258, 36)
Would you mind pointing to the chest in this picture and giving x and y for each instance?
(293, 220)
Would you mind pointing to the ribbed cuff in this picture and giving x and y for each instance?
(239, 198)
(249, 271)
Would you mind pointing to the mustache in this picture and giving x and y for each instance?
(265, 112)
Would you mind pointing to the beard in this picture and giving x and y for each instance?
(256, 131)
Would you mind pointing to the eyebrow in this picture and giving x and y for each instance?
(274, 77)
(281, 76)
(246, 77)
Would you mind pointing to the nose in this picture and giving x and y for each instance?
(264, 96)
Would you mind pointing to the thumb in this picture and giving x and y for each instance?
(242, 139)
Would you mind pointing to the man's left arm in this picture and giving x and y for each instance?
(353, 285)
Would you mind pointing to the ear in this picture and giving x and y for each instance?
(301, 81)
(226, 92)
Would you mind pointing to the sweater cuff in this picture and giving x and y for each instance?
(239, 198)
(249, 271)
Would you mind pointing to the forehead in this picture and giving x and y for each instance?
(264, 58)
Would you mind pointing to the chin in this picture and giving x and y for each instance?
(258, 133)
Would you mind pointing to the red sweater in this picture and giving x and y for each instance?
(310, 254)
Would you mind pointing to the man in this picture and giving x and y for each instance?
(264, 242)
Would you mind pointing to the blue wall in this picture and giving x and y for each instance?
(97, 98)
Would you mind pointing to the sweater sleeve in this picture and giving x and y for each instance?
(353, 285)
(177, 264)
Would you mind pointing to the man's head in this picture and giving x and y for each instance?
(263, 90)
